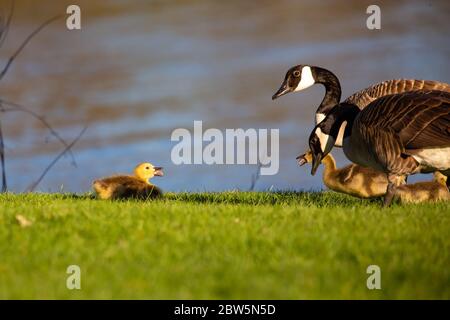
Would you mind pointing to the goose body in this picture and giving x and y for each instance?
(392, 135)
(408, 133)
(135, 186)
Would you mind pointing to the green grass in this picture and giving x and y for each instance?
(234, 245)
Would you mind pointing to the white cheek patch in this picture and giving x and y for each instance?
(323, 138)
(340, 137)
(326, 141)
(319, 117)
(307, 79)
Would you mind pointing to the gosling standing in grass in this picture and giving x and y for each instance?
(127, 186)
(364, 182)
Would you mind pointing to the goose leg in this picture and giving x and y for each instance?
(393, 182)
(389, 196)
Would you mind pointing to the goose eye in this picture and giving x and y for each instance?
(296, 73)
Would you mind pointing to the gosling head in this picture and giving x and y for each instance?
(146, 171)
(304, 158)
(297, 78)
(440, 178)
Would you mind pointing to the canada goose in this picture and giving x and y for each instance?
(301, 77)
(352, 179)
(127, 186)
(366, 183)
(399, 134)
(435, 190)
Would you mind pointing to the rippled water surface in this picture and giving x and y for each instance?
(140, 69)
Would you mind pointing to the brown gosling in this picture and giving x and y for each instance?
(135, 186)
(354, 180)
(430, 191)
(364, 182)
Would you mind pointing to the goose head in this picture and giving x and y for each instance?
(145, 171)
(297, 78)
(324, 135)
(321, 141)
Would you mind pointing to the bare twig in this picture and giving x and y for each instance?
(2, 160)
(5, 28)
(36, 31)
(33, 186)
(18, 107)
(255, 177)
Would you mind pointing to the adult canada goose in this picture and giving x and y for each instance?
(127, 186)
(301, 77)
(364, 182)
(399, 134)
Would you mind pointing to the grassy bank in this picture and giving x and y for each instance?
(226, 245)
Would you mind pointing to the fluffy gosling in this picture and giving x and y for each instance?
(430, 191)
(135, 186)
(352, 179)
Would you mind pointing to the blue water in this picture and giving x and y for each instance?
(136, 72)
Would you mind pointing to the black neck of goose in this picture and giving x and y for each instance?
(332, 89)
(332, 124)
(346, 112)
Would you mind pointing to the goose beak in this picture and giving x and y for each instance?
(159, 171)
(301, 160)
(282, 91)
(317, 159)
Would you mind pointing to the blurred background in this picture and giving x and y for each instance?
(140, 69)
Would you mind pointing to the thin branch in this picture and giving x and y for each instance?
(4, 32)
(2, 160)
(11, 59)
(255, 177)
(18, 107)
(33, 186)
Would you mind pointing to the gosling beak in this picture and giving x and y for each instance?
(159, 171)
(317, 159)
(282, 91)
(301, 160)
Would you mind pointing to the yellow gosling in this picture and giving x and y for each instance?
(430, 191)
(135, 186)
(352, 179)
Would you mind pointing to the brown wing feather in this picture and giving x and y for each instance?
(391, 125)
(419, 118)
(432, 131)
(366, 96)
(423, 120)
